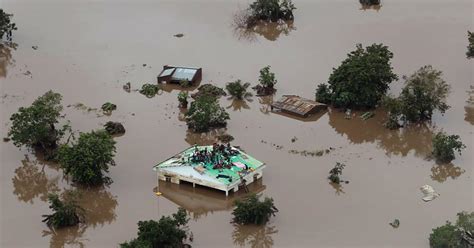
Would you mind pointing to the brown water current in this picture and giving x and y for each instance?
(87, 50)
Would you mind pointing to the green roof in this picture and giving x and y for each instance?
(184, 159)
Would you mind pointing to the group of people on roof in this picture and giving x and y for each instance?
(219, 156)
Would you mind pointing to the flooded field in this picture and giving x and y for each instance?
(86, 50)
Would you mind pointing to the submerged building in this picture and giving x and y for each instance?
(178, 74)
(220, 167)
(297, 105)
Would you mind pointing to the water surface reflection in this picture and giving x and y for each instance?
(254, 235)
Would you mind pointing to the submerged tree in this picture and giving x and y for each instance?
(149, 90)
(206, 113)
(362, 79)
(114, 128)
(253, 211)
(210, 91)
(66, 212)
(266, 81)
(35, 126)
(424, 92)
(169, 231)
(238, 90)
(323, 94)
(459, 235)
(272, 10)
(6, 25)
(445, 146)
(89, 158)
(470, 46)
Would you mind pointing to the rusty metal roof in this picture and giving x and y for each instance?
(297, 105)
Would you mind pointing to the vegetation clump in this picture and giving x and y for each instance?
(459, 235)
(264, 11)
(149, 90)
(266, 81)
(369, 2)
(6, 25)
(108, 108)
(335, 172)
(445, 146)
(252, 210)
(89, 158)
(205, 113)
(361, 80)
(470, 46)
(424, 92)
(210, 91)
(169, 231)
(114, 128)
(183, 99)
(66, 212)
(35, 126)
(225, 138)
(238, 90)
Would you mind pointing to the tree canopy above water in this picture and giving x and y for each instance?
(6, 25)
(361, 80)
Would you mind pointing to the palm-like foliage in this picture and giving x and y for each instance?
(238, 90)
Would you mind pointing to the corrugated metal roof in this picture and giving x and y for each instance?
(296, 104)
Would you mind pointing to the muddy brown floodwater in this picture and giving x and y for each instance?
(86, 50)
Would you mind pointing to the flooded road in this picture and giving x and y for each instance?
(86, 50)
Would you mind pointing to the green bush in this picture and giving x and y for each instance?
(149, 90)
(183, 99)
(459, 235)
(167, 232)
(323, 94)
(205, 113)
(66, 212)
(445, 146)
(470, 46)
(114, 128)
(6, 26)
(89, 158)
(363, 78)
(253, 211)
(210, 91)
(238, 90)
(108, 107)
(35, 126)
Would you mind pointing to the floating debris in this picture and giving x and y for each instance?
(348, 114)
(6, 139)
(35, 47)
(429, 193)
(178, 35)
(81, 106)
(316, 153)
(367, 115)
(395, 223)
(294, 139)
(127, 87)
(335, 172)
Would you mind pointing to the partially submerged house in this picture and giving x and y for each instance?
(177, 74)
(226, 170)
(297, 105)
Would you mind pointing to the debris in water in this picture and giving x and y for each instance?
(127, 87)
(429, 193)
(348, 114)
(178, 35)
(6, 139)
(367, 115)
(395, 223)
(144, 65)
(35, 47)
(294, 139)
(335, 172)
(108, 108)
